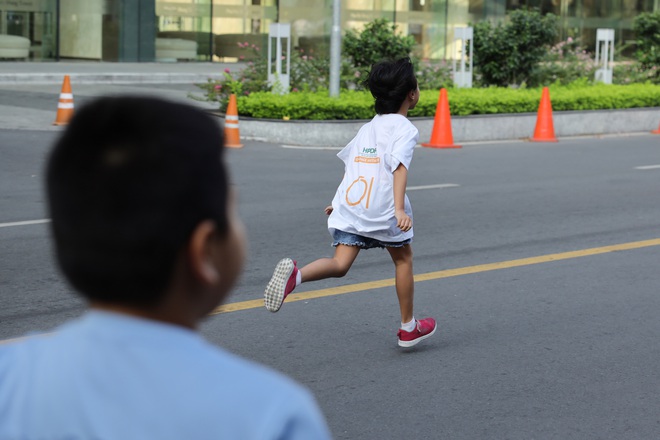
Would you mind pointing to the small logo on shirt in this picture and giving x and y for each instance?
(368, 155)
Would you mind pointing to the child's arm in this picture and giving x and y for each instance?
(403, 221)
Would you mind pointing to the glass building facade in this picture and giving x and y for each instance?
(204, 30)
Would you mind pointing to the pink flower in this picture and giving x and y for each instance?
(569, 40)
(304, 57)
(218, 87)
(242, 57)
(227, 70)
(294, 89)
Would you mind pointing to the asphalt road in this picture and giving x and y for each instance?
(562, 347)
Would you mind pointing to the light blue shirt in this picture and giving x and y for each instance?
(111, 376)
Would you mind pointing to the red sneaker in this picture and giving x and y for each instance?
(424, 329)
(281, 284)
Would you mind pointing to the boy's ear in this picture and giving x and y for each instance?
(201, 253)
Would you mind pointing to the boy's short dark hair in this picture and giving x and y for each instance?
(127, 183)
(390, 82)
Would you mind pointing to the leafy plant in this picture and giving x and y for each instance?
(506, 54)
(377, 41)
(434, 75)
(565, 62)
(308, 73)
(252, 78)
(647, 32)
(633, 72)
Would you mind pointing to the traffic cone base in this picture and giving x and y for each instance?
(429, 145)
(65, 104)
(545, 130)
(441, 136)
(656, 131)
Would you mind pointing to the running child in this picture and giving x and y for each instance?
(370, 208)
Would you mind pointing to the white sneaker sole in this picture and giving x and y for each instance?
(274, 294)
(416, 341)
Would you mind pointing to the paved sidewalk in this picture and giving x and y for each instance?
(95, 72)
(29, 92)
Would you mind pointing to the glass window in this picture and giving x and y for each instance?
(237, 22)
(27, 30)
(171, 30)
(184, 30)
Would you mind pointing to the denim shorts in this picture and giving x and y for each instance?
(348, 239)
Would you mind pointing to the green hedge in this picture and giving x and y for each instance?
(359, 105)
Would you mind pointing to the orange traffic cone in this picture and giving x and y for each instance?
(656, 131)
(65, 105)
(232, 134)
(441, 136)
(545, 129)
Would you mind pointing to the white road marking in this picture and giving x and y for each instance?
(25, 223)
(438, 186)
(648, 167)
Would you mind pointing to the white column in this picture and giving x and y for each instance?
(463, 38)
(276, 75)
(604, 55)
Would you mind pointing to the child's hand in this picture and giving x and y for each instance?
(328, 210)
(403, 221)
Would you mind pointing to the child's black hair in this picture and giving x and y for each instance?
(127, 183)
(390, 82)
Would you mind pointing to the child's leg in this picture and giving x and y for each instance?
(334, 267)
(405, 284)
(287, 276)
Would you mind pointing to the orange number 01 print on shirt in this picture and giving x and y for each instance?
(362, 190)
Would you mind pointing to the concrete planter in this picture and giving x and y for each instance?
(464, 128)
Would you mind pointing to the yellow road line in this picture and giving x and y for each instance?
(370, 285)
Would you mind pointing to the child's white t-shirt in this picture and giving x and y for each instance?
(364, 202)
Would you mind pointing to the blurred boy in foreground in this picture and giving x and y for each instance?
(145, 228)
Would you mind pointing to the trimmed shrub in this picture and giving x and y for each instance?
(463, 102)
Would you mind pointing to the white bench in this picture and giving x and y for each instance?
(172, 49)
(12, 46)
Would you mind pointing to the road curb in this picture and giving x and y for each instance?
(464, 128)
